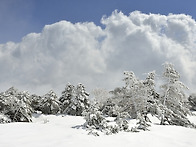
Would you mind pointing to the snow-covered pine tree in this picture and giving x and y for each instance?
(94, 120)
(151, 94)
(143, 122)
(74, 100)
(67, 96)
(81, 101)
(25, 97)
(149, 84)
(16, 105)
(122, 121)
(174, 102)
(50, 103)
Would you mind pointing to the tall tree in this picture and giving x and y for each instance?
(68, 95)
(174, 101)
(135, 94)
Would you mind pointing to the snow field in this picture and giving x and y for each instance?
(66, 131)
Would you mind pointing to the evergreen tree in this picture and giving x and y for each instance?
(81, 102)
(15, 105)
(74, 100)
(96, 122)
(94, 119)
(152, 95)
(67, 96)
(122, 121)
(50, 103)
(143, 122)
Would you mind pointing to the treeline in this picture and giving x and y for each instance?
(17, 106)
(136, 100)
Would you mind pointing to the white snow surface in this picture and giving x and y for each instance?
(65, 131)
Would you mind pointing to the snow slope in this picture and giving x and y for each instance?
(65, 131)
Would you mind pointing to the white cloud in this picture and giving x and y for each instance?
(84, 52)
(62, 52)
(142, 42)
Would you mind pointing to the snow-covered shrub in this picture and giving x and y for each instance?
(94, 119)
(122, 121)
(74, 100)
(16, 105)
(50, 103)
(143, 123)
(174, 102)
(96, 122)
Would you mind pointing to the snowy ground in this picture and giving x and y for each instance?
(63, 131)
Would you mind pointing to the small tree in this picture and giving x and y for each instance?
(94, 119)
(143, 122)
(122, 121)
(96, 122)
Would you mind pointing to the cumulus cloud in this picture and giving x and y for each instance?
(142, 42)
(62, 52)
(83, 52)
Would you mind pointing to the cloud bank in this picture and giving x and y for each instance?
(83, 52)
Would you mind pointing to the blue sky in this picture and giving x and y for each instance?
(20, 17)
